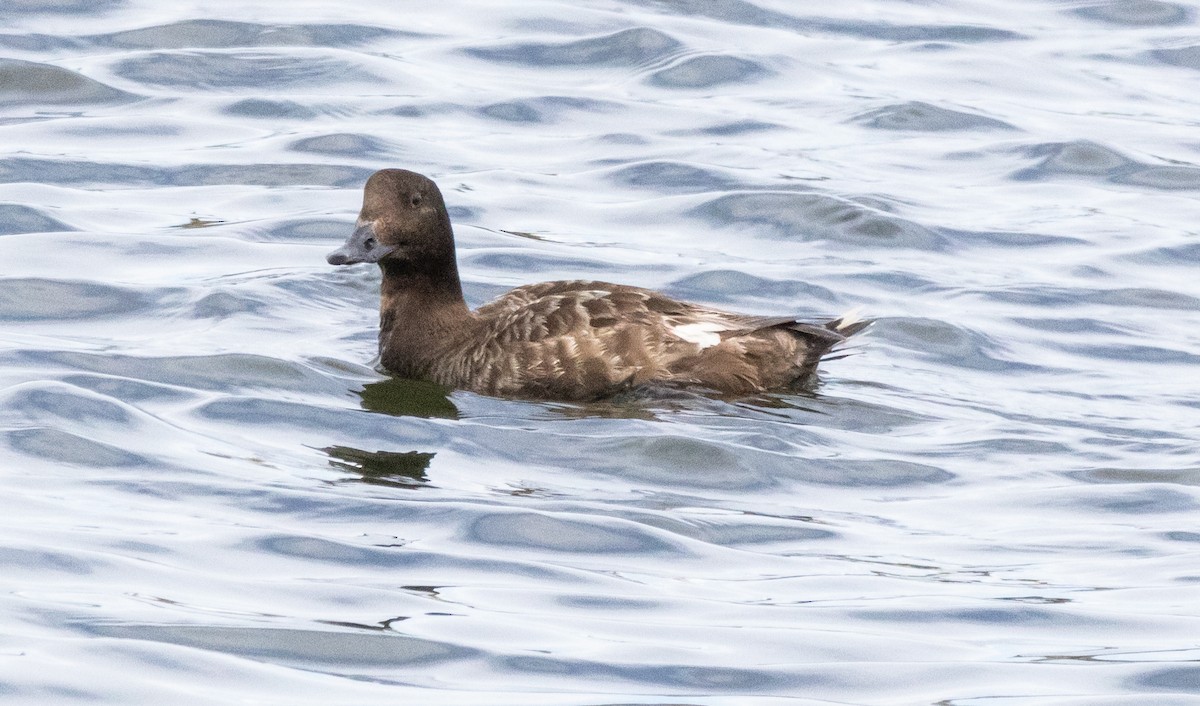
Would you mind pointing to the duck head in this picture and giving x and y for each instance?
(403, 222)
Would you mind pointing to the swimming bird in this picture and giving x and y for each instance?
(566, 340)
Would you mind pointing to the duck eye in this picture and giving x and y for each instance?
(415, 200)
(369, 243)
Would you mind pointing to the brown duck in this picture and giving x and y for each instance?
(569, 340)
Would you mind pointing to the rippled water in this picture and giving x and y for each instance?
(210, 497)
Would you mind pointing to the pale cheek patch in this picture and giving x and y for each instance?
(703, 334)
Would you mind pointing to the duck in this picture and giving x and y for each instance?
(572, 340)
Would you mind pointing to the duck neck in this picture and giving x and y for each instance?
(421, 312)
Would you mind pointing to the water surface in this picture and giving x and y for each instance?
(210, 496)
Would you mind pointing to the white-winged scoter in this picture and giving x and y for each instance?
(567, 340)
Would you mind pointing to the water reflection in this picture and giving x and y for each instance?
(397, 469)
(408, 398)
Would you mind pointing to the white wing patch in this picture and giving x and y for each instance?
(850, 318)
(703, 334)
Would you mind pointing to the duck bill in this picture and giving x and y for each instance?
(362, 246)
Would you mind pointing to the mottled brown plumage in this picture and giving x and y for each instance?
(570, 340)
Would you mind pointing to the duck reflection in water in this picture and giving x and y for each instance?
(396, 469)
(400, 398)
(403, 397)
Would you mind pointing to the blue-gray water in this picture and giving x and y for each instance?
(208, 496)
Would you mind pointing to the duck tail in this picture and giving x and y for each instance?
(849, 323)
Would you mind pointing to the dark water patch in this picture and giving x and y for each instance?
(895, 281)
(629, 47)
(744, 534)
(1175, 680)
(672, 177)
(1136, 13)
(621, 138)
(1003, 239)
(304, 230)
(206, 34)
(513, 112)
(1187, 255)
(327, 289)
(1182, 536)
(36, 299)
(875, 473)
(15, 218)
(346, 424)
(464, 214)
(18, 560)
(50, 444)
(1072, 326)
(609, 603)
(527, 262)
(688, 462)
(572, 534)
(29, 83)
(312, 649)
(396, 469)
(733, 12)
(61, 7)
(745, 13)
(223, 34)
(950, 345)
(423, 109)
(1137, 297)
(1089, 159)
(815, 217)
(207, 71)
(925, 34)
(1173, 476)
(1132, 354)
(396, 561)
(20, 169)
(733, 129)
(708, 71)
(1012, 614)
(727, 286)
(145, 130)
(1132, 435)
(272, 109)
(326, 551)
(344, 144)
(999, 445)
(733, 680)
(40, 43)
(224, 302)
(257, 411)
(126, 390)
(1164, 177)
(544, 108)
(1075, 158)
(224, 372)
(918, 116)
(855, 415)
(1147, 501)
(1186, 57)
(38, 400)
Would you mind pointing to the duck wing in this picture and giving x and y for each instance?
(585, 339)
(539, 311)
(575, 340)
